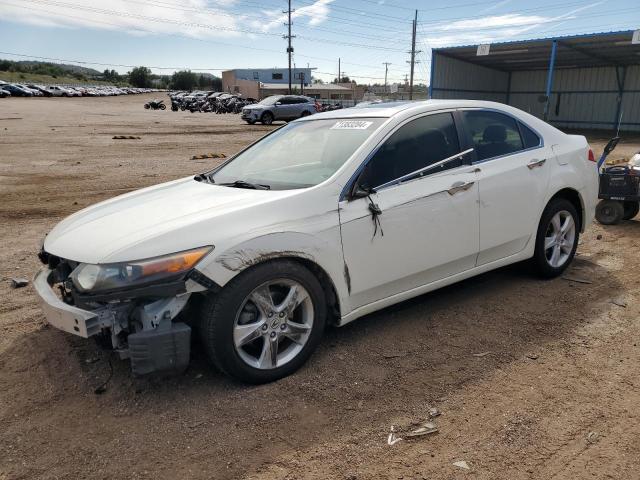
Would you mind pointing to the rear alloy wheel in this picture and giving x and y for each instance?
(267, 118)
(557, 238)
(609, 212)
(631, 209)
(265, 323)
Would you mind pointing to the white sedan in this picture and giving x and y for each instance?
(322, 221)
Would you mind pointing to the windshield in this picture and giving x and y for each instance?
(271, 100)
(300, 154)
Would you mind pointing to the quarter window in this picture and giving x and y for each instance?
(530, 138)
(494, 134)
(419, 143)
(276, 76)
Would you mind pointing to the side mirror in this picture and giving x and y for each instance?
(610, 147)
(360, 191)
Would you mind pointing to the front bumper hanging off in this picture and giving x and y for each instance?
(157, 345)
(61, 315)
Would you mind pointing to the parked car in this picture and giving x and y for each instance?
(39, 88)
(16, 90)
(324, 220)
(57, 91)
(4, 93)
(279, 107)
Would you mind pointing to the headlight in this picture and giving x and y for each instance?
(88, 277)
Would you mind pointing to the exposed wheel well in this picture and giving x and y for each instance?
(327, 285)
(574, 197)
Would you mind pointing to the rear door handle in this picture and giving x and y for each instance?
(459, 187)
(536, 163)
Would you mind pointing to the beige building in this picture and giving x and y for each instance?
(249, 83)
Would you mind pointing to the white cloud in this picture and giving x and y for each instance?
(493, 28)
(196, 18)
(314, 14)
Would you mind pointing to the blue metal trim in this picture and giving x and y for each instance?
(533, 92)
(552, 64)
(433, 68)
(566, 37)
(594, 122)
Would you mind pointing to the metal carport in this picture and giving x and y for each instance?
(581, 81)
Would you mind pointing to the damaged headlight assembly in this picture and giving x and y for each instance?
(93, 278)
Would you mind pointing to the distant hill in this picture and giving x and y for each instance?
(62, 66)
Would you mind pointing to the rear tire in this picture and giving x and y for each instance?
(163, 107)
(251, 122)
(631, 209)
(267, 118)
(609, 212)
(557, 238)
(305, 114)
(238, 334)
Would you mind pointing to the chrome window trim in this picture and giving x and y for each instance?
(408, 176)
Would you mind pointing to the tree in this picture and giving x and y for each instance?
(318, 81)
(342, 80)
(140, 77)
(184, 80)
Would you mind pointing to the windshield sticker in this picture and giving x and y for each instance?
(351, 125)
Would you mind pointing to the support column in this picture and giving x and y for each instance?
(432, 73)
(620, 79)
(508, 88)
(552, 64)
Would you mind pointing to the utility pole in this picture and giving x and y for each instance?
(413, 54)
(289, 37)
(339, 72)
(386, 70)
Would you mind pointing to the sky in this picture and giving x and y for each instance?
(215, 35)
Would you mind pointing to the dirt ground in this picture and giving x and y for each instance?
(534, 379)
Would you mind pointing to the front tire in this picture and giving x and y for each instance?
(267, 118)
(265, 323)
(557, 238)
(609, 212)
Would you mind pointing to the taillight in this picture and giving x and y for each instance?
(592, 157)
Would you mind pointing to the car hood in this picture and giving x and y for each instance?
(154, 221)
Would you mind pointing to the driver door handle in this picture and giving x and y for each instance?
(536, 163)
(459, 187)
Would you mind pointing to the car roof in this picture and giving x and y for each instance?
(391, 109)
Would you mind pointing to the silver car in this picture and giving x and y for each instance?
(279, 107)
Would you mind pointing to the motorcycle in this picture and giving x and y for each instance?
(155, 105)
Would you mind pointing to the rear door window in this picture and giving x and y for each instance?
(493, 134)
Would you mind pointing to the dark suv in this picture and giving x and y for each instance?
(279, 107)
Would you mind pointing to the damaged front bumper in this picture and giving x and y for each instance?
(140, 329)
(63, 316)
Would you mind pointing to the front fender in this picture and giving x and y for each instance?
(222, 266)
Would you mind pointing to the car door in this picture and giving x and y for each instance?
(284, 111)
(513, 175)
(426, 228)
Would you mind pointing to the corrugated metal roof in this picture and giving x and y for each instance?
(574, 51)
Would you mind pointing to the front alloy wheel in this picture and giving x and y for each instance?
(265, 323)
(273, 324)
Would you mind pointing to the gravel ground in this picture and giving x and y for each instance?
(534, 379)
